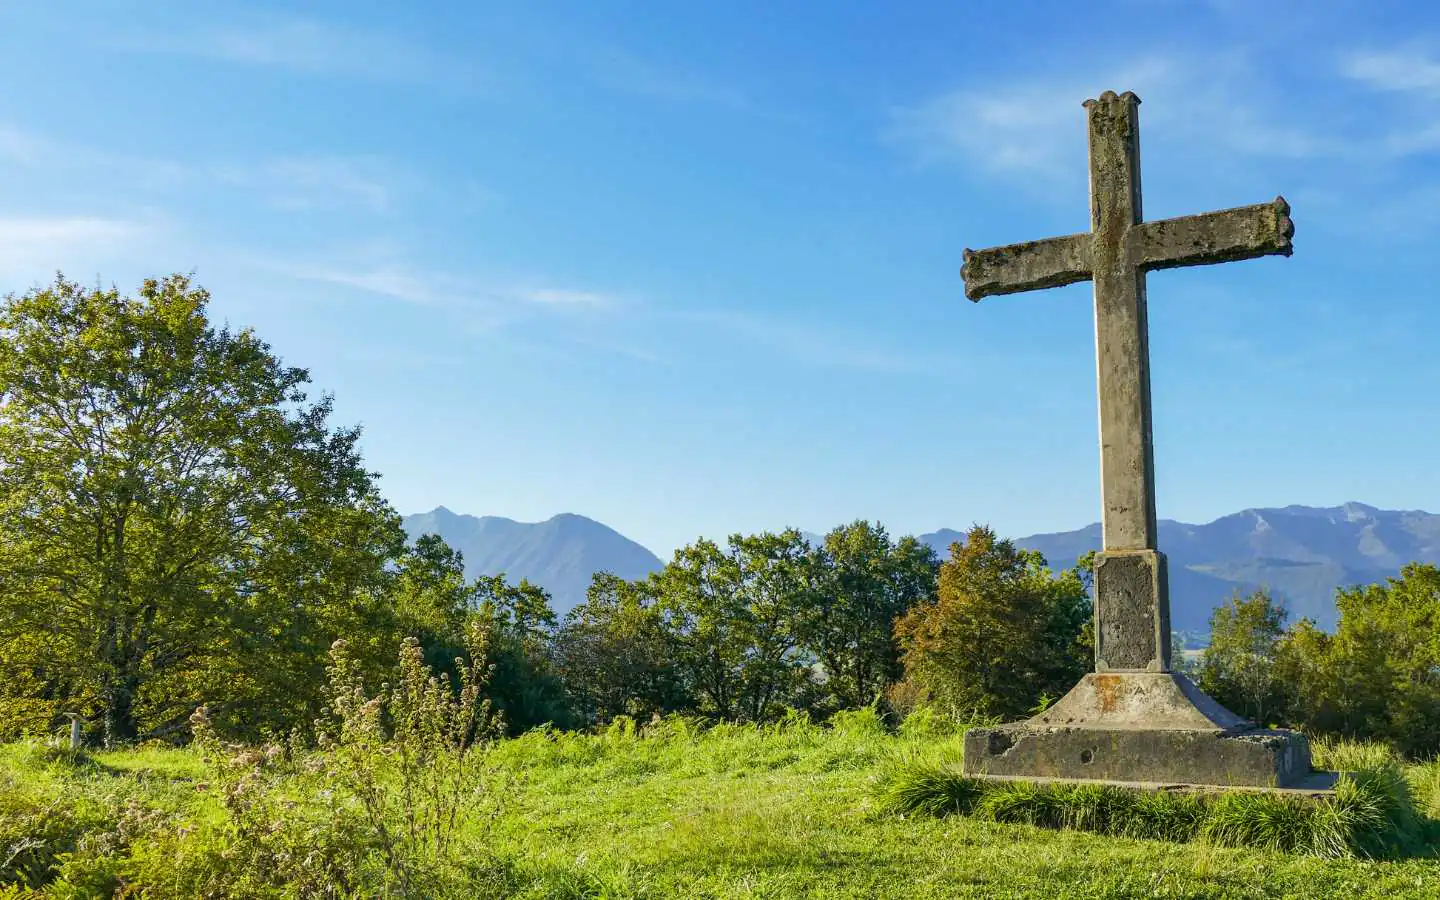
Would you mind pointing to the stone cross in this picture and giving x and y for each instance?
(1132, 603)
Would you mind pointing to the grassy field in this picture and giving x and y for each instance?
(673, 811)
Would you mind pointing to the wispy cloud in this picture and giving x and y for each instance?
(291, 183)
(1028, 129)
(64, 241)
(314, 183)
(308, 45)
(1411, 75)
(1404, 71)
(562, 297)
(492, 300)
(387, 281)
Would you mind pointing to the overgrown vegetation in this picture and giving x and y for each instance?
(677, 807)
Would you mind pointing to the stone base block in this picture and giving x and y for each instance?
(1252, 758)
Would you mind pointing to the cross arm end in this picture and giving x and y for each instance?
(1246, 232)
(1030, 266)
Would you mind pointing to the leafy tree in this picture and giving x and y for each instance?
(732, 618)
(1306, 676)
(776, 591)
(616, 656)
(519, 624)
(1002, 633)
(175, 514)
(864, 584)
(1238, 667)
(431, 600)
(1378, 676)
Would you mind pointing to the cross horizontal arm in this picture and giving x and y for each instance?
(1030, 266)
(1246, 232)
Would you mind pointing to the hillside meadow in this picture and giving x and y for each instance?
(670, 809)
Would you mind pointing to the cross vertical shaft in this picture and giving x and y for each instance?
(1132, 597)
(1127, 460)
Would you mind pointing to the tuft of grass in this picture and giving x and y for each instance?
(1424, 781)
(1372, 814)
(1342, 755)
(932, 789)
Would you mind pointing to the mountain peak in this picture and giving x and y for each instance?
(1357, 511)
(560, 554)
(562, 518)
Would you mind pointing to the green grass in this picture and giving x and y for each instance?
(678, 810)
(1372, 814)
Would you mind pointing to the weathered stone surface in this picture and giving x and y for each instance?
(1226, 236)
(1315, 786)
(1054, 262)
(1150, 727)
(1156, 701)
(1132, 720)
(1257, 758)
(1132, 612)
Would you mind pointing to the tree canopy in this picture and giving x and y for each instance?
(174, 508)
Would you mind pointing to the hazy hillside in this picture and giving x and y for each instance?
(560, 554)
(1300, 552)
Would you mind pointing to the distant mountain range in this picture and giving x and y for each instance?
(560, 554)
(1301, 553)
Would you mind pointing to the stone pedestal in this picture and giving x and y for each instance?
(1141, 727)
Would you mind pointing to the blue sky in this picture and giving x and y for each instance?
(694, 269)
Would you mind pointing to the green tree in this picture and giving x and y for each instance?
(1378, 676)
(617, 657)
(776, 590)
(732, 617)
(864, 583)
(1002, 633)
(172, 508)
(1238, 667)
(519, 624)
(431, 600)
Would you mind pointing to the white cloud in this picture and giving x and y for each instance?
(471, 294)
(30, 244)
(1411, 126)
(396, 283)
(1405, 71)
(311, 183)
(561, 297)
(1027, 128)
(291, 183)
(1033, 128)
(308, 45)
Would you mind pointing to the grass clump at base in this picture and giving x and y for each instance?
(1371, 815)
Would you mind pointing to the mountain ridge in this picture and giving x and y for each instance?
(1302, 553)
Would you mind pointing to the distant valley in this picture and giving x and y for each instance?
(1301, 553)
